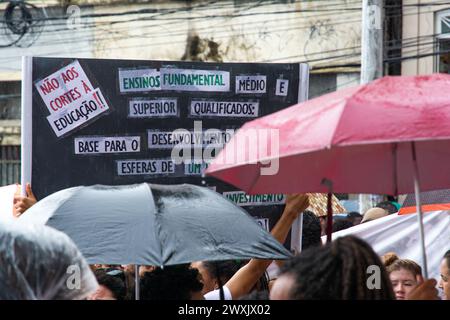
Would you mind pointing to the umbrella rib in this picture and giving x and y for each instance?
(255, 179)
(395, 171)
(157, 224)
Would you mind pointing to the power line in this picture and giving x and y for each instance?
(288, 29)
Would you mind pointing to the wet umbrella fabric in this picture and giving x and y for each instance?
(391, 136)
(150, 224)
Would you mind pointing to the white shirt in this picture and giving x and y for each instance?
(215, 294)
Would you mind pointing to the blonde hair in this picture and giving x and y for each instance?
(393, 263)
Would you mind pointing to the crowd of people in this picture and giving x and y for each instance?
(336, 270)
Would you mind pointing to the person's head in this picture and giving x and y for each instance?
(389, 206)
(213, 271)
(341, 224)
(144, 269)
(40, 263)
(373, 214)
(444, 283)
(311, 230)
(323, 225)
(354, 217)
(339, 270)
(178, 282)
(111, 286)
(405, 275)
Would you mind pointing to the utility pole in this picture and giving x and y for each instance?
(371, 63)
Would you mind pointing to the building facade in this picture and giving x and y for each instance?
(326, 35)
(426, 37)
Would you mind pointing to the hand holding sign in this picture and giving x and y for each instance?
(296, 204)
(22, 203)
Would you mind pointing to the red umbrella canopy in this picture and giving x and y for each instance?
(358, 138)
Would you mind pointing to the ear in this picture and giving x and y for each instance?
(419, 279)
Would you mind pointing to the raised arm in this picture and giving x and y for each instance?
(244, 280)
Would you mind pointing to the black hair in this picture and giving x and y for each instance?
(256, 295)
(311, 230)
(447, 258)
(175, 282)
(388, 206)
(113, 282)
(339, 270)
(342, 224)
(222, 269)
(353, 215)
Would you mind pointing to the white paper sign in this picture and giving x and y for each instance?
(242, 199)
(281, 88)
(93, 145)
(264, 223)
(145, 167)
(64, 88)
(217, 138)
(209, 108)
(195, 169)
(153, 108)
(139, 80)
(169, 139)
(251, 84)
(78, 114)
(195, 80)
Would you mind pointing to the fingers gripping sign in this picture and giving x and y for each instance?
(297, 203)
(22, 202)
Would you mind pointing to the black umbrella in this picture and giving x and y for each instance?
(151, 224)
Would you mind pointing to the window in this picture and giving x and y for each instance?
(9, 165)
(443, 41)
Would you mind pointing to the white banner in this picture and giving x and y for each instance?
(400, 234)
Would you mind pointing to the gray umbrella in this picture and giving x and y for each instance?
(150, 224)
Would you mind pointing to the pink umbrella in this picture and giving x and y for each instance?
(374, 138)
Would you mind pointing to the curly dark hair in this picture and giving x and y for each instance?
(337, 271)
(342, 224)
(225, 269)
(311, 230)
(388, 206)
(176, 282)
(114, 283)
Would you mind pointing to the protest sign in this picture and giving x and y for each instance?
(114, 122)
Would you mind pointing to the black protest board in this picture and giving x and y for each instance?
(112, 122)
